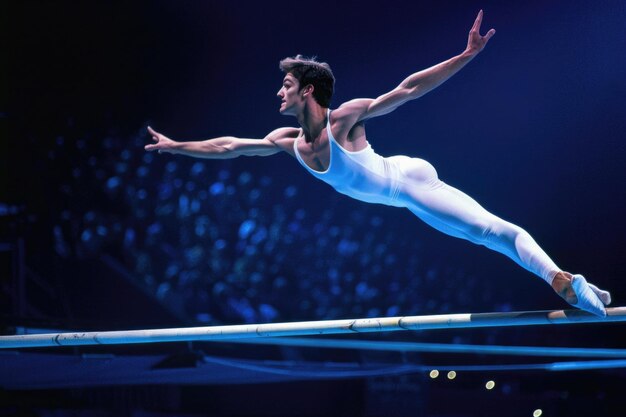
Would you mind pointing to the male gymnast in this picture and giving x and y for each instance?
(333, 147)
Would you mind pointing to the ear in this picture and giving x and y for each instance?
(308, 90)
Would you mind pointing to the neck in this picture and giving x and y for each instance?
(312, 120)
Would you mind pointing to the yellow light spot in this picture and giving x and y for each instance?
(537, 412)
(490, 384)
(451, 375)
(434, 373)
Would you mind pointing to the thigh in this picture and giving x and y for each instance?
(440, 205)
(449, 210)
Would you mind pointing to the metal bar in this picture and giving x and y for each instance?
(246, 331)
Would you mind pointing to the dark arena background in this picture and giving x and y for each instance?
(97, 234)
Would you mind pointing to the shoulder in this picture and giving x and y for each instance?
(283, 133)
(351, 112)
(355, 105)
(283, 138)
(349, 116)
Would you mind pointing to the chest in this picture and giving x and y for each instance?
(316, 153)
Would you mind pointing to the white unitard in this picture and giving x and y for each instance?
(413, 183)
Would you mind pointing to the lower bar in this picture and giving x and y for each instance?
(391, 346)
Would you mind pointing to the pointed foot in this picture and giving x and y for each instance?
(604, 296)
(587, 298)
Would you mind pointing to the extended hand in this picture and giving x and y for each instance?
(475, 42)
(163, 143)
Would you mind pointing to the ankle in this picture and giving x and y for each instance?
(562, 285)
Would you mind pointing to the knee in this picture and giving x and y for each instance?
(479, 231)
(502, 233)
(494, 231)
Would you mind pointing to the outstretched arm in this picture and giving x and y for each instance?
(224, 147)
(420, 83)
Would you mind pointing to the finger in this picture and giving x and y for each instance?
(154, 134)
(149, 147)
(478, 21)
(490, 34)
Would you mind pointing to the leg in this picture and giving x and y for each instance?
(455, 213)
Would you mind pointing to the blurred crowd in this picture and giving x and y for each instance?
(239, 246)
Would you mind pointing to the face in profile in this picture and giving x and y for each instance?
(288, 95)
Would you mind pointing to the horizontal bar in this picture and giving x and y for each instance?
(391, 346)
(309, 328)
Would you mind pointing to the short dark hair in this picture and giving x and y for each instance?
(309, 71)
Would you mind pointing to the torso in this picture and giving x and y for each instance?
(349, 164)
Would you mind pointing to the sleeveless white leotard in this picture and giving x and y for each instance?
(363, 175)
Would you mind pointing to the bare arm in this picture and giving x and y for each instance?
(224, 147)
(420, 83)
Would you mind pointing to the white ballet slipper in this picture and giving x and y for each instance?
(587, 298)
(604, 296)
